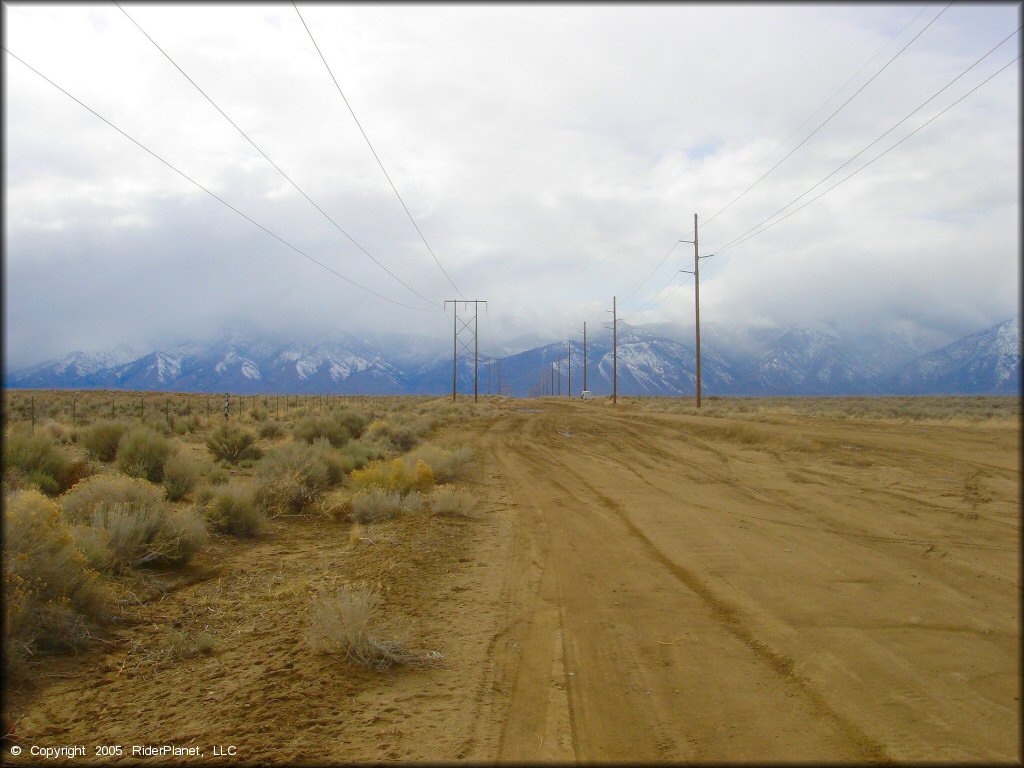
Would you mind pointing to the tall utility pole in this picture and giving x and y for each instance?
(551, 385)
(569, 361)
(615, 352)
(455, 348)
(489, 377)
(455, 342)
(696, 294)
(499, 377)
(584, 354)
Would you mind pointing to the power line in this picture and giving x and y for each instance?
(651, 272)
(890, 130)
(265, 157)
(827, 119)
(877, 157)
(840, 88)
(207, 191)
(376, 156)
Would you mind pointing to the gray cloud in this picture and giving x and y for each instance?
(551, 156)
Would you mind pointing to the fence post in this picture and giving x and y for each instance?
(32, 401)
(74, 421)
(112, 408)
(142, 408)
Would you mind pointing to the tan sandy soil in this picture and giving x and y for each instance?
(634, 586)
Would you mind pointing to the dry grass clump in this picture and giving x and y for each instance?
(232, 444)
(51, 595)
(396, 475)
(101, 439)
(374, 505)
(294, 475)
(36, 461)
(347, 623)
(142, 452)
(338, 427)
(232, 509)
(180, 644)
(138, 525)
(446, 464)
(181, 474)
(449, 501)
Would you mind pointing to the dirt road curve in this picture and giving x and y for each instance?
(634, 586)
(717, 590)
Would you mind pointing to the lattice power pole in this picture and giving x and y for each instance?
(456, 341)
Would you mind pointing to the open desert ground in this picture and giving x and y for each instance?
(766, 580)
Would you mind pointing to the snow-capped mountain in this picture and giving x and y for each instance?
(652, 360)
(982, 363)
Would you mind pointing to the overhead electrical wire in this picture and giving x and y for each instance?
(651, 273)
(275, 165)
(843, 86)
(827, 119)
(877, 157)
(374, 151)
(209, 192)
(865, 149)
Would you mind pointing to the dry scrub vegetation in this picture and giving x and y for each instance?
(966, 410)
(105, 489)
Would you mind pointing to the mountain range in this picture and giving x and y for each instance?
(652, 360)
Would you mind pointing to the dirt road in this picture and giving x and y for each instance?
(710, 589)
(635, 587)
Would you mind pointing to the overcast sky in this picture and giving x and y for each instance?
(551, 156)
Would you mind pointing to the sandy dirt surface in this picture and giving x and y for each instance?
(633, 586)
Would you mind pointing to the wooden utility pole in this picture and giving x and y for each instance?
(584, 354)
(476, 347)
(696, 293)
(615, 351)
(569, 361)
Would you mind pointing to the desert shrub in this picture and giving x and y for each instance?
(231, 443)
(374, 505)
(100, 440)
(232, 509)
(94, 544)
(142, 528)
(292, 476)
(449, 501)
(142, 453)
(396, 476)
(355, 455)
(446, 464)
(412, 502)
(402, 437)
(35, 460)
(59, 433)
(102, 490)
(216, 476)
(181, 473)
(271, 430)
(338, 427)
(347, 623)
(51, 595)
